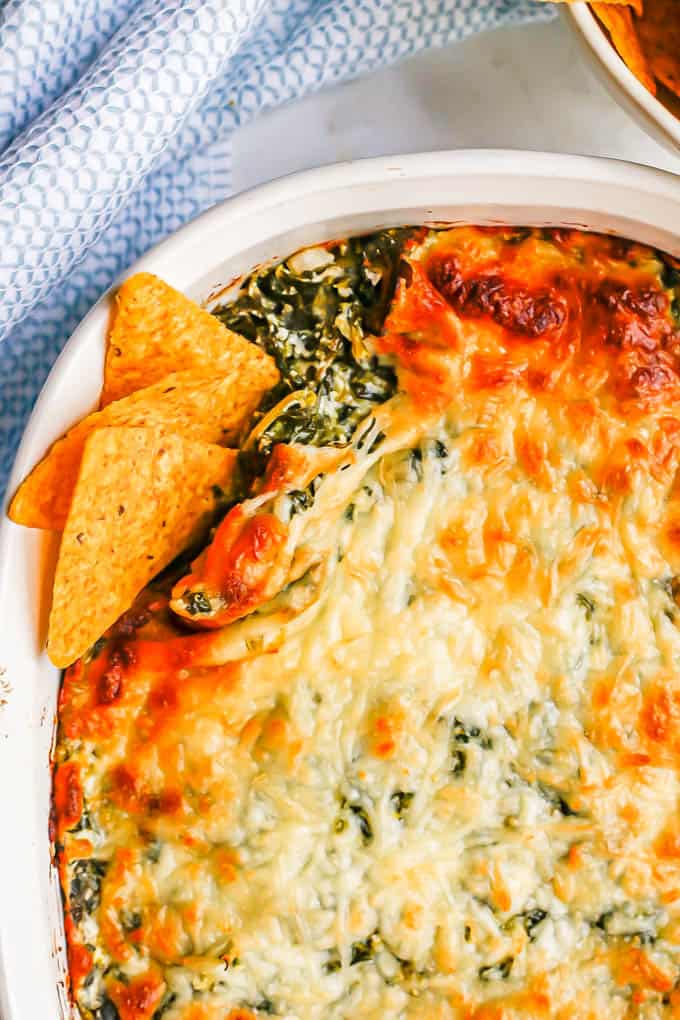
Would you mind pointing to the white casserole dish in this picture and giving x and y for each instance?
(475, 186)
(658, 119)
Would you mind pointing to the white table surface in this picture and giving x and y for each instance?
(522, 88)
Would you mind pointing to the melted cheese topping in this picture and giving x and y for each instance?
(438, 775)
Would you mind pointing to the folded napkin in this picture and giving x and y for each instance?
(115, 120)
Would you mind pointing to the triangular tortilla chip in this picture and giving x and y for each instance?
(209, 409)
(635, 4)
(619, 23)
(157, 330)
(139, 500)
(659, 33)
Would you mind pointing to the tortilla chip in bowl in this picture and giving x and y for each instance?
(635, 49)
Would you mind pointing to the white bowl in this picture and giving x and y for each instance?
(659, 120)
(475, 186)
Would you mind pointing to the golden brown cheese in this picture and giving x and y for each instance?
(436, 775)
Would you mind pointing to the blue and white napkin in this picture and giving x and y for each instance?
(115, 120)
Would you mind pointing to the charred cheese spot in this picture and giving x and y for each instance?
(510, 304)
(68, 796)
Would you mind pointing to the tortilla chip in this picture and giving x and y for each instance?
(659, 33)
(635, 4)
(207, 409)
(157, 330)
(619, 24)
(139, 500)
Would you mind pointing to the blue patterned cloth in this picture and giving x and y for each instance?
(115, 120)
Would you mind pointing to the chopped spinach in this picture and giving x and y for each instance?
(90, 977)
(153, 851)
(131, 920)
(314, 323)
(459, 735)
(586, 604)
(84, 822)
(671, 586)
(264, 1006)
(531, 920)
(364, 949)
(670, 280)
(362, 818)
(107, 1010)
(301, 499)
(85, 888)
(627, 925)
(168, 1000)
(556, 800)
(361, 815)
(333, 962)
(401, 802)
(497, 971)
(365, 432)
(441, 452)
(462, 735)
(197, 602)
(375, 443)
(408, 968)
(416, 463)
(519, 234)
(670, 276)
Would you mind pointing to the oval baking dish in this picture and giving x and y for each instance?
(483, 187)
